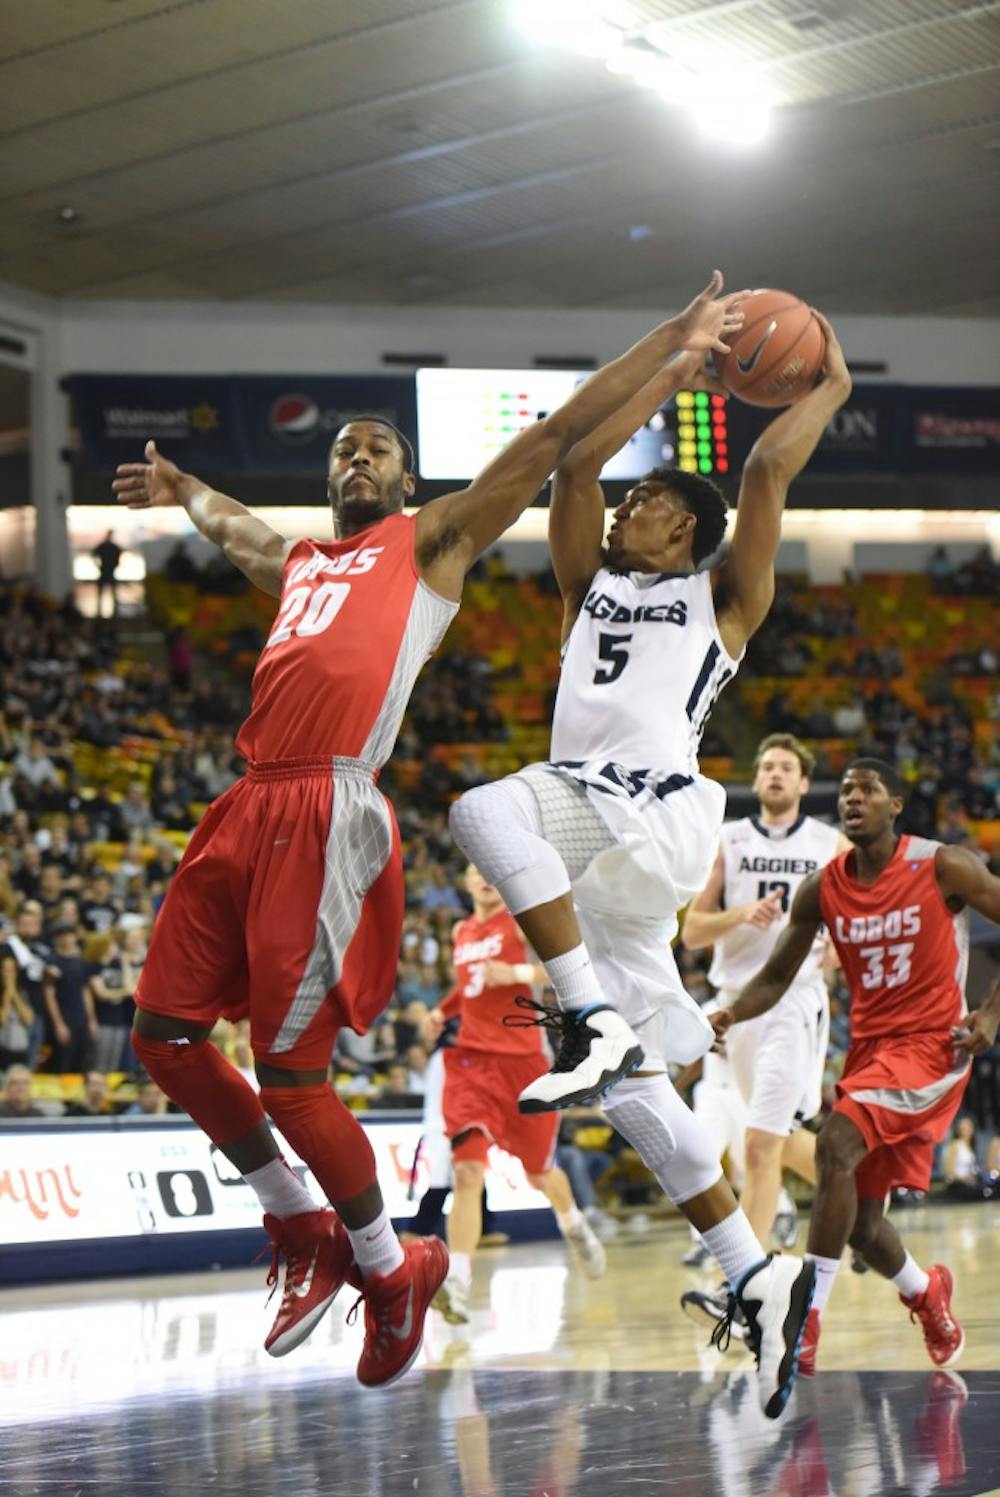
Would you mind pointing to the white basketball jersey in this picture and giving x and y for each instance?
(641, 672)
(758, 861)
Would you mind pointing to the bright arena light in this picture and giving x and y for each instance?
(726, 104)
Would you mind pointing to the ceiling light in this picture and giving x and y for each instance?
(67, 214)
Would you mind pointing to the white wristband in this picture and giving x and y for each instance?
(524, 972)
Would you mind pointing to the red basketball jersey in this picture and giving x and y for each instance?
(354, 626)
(903, 952)
(480, 1008)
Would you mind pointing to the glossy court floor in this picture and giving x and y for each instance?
(561, 1388)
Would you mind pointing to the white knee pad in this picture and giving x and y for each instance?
(664, 1133)
(499, 828)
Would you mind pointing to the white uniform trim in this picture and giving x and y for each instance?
(358, 847)
(430, 615)
(911, 1100)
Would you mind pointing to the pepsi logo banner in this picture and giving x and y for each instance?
(230, 424)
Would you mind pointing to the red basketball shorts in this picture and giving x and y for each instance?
(287, 906)
(902, 1095)
(480, 1099)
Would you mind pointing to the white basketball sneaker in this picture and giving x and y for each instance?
(587, 1250)
(597, 1050)
(775, 1298)
(452, 1300)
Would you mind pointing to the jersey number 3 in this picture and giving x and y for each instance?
(324, 605)
(614, 649)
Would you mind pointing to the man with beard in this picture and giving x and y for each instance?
(897, 910)
(288, 903)
(777, 1061)
(596, 851)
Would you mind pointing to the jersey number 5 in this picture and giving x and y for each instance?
(324, 605)
(613, 649)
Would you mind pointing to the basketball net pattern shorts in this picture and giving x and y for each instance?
(287, 907)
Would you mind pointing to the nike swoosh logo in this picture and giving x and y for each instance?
(747, 366)
(301, 1290)
(407, 1326)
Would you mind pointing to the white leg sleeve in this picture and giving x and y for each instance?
(664, 1133)
(499, 828)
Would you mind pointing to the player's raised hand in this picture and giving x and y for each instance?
(711, 318)
(690, 368)
(762, 913)
(977, 1031)
(834, 364)
(150, 484)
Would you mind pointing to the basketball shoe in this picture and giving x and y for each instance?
(774, 1297)
(710, 1308)
(597, 1049)
(810, 1341)
(318, 1260)
(587, 1250)
(396, 1306)
(452, 1300)
(943, 1336)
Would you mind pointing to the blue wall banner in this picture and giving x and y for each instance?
(193, 420)
(288, 422)
(284, 424)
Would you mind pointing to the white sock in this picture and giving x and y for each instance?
(911, 1281)
(734, 1246)
(786, 1206)
(574, 979)
(376, 1247)
(826, 1272)
(461, 1268)
(279, 1190)
(569, 1219)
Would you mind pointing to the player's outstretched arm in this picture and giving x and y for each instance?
(745, 587)
(577, 508)
(771, 982)
(251, 545)
(962, 877)
(452, 532)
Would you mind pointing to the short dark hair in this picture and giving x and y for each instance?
(806, 758)
(891, 778)
(404, 444)
(701, 498)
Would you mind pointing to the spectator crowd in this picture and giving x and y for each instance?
(108, 754)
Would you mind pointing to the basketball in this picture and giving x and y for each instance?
(778, 353)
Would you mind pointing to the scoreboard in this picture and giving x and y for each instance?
(465, 416)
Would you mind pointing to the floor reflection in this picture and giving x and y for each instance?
(523, 1434)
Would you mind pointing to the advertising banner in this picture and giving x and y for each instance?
(116, 1180)
(192, 419)
(289, 422)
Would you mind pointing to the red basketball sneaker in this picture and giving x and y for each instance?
(318, 1259)
(943, 1336)
(810, 1341)
(395, 1309)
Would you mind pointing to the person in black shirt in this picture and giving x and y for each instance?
(32, 955)
(107, 555)
(69, 1000)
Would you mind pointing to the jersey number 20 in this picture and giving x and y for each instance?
(324, 605)
(614, 649)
